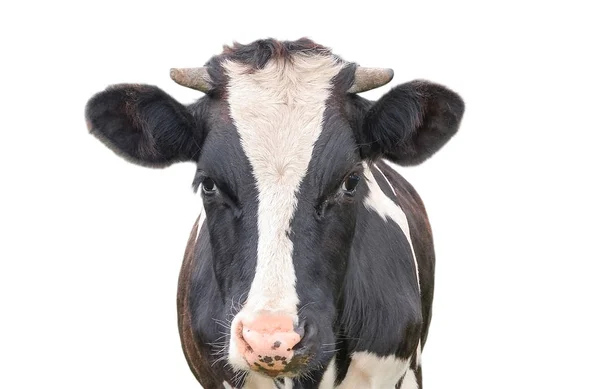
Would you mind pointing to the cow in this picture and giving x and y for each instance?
(312, 262)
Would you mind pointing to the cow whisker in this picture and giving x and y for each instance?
(305, 305)
(223, 323)
(223, 358)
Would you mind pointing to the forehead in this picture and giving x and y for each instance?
(278, 112)
(277, 116)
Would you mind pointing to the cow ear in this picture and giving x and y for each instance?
(410, 123)
(143, 124)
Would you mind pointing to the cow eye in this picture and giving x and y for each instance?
(350, 183)
(208, 186)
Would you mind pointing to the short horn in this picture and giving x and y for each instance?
(195, 78)
(370, 78)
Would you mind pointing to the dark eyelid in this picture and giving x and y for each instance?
(356, 169)
(198, 178)
(335, 184)
(228, 193)
(201, 175)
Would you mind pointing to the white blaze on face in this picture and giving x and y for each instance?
(278, 112)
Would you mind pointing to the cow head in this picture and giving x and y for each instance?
(280, 140)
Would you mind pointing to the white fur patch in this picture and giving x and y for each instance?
(410, 380)
(369, 371)
(278, 112)
(328, 380)
(386, 180)
(201, 219)
(259, 381)
(386, 208)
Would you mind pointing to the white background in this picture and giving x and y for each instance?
(91, 245)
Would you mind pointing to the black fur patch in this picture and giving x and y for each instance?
(143, 124)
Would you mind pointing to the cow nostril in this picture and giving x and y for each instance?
(244, 341)
(306, 332)
(300, 329)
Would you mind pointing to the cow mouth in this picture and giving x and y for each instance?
(278, 366)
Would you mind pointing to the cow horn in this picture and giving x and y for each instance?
(370, 78)
(195, 78)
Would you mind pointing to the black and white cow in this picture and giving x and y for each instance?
(313, 263)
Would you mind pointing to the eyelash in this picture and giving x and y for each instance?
(225, 197)
(198, 179)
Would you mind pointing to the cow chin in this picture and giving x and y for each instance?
(274, 345)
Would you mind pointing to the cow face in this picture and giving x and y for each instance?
(280, 146)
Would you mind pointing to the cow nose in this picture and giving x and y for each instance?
(270, 340)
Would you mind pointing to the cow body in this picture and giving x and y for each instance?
(312, 264)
